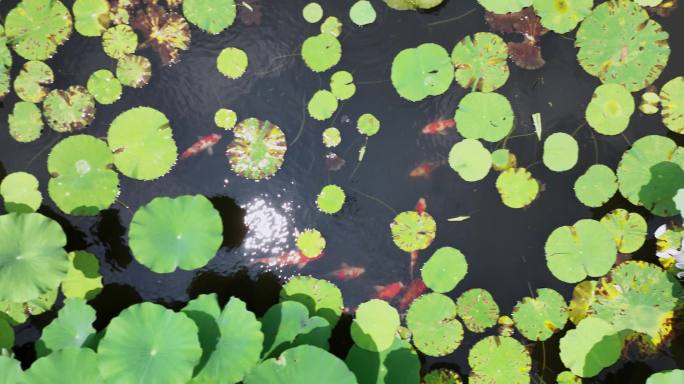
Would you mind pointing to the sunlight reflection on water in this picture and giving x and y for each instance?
(271, 226)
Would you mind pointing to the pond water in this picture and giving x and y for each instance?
(504, 247)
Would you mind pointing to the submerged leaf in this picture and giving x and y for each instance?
(36, 28)
(422, 71)
(258, 149)
(480, 62)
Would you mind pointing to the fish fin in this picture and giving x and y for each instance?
(210, 151)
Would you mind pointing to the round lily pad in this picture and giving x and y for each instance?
(517, 187)
(538, 318)
(312, 12)
(422, 71)
(211, 16)
(590, 347)
(342, 85)
(142, 141)
(168, 233)
(258, 149)
(629, 229)
(119, 41)
(36, 28)
(487, 116)
(310, 242)
(20, 192)
(499, 360)
(332, 26)
(567, 377)
(477, 309)
(72, 327)
(432, 321)
(672, 376)
(562, 16)
(83, 279)
(596, 186)
(367, 124)
(331, 137)
(398, 364)
(470, 159)
(331, 199)
(321, 52)
(10, 370)
(413, 231)
(31, 83)
(91, 17)
(503, 159)
(442, 376)
(134, 71)
(232, 62)
(445, 268)
(672, 101)
(104, 86)
(322, 298)
(375, 325)
(560, 152)
(18, 312)
(69, 110)
(25, 122)
(504, 6)
(287, 324)
(413, 5)
(225, 118)
(480, 62)
(610, 109)
(322, 105)
(70, 365)
(362, 13)
(583, 249)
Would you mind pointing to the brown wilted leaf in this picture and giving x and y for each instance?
(524, 22)
(664, 9)
(526, 55)
(166, 32)
(249, 12)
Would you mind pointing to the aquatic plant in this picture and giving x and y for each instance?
(499, 360)
(332, 26)
(331, 199)
(362, 13)
(480, 62)
(312, 12)
(478, 310)
(71, 329)
(321, 297)
(105, 88)
(538, 318)
(74, 365)
(342, 85)
(666, 377)
(91, 17)
(10, 370)
(225, 118)
(232, 62)
(517, 187)
(442, 376)
(294, 365)
(19, 191)
(444, 270)
(258, 149)
(321, 52)
(404, 5)
(18, 312)
(375, 325)
(310, 243)
(562, 16)
(610, 109)
(69, 110)
(433, 324)
(36, 28)
(628, 229)
(504, 6)
(590, 347)
(211, 16)
(32, 81)
(487, 116)
(470, 159)
(5, 65)
(503, 159)
(596, 185)
(423, 71)
(331, 137)
(83, 279)
(561, 152)
(119, 41)
(134, 71)
(166, 32)
(397, 364)
(672, 100)
(413, 231)
(322, 105)
(367, 124)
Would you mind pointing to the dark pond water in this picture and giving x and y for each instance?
(504, 246)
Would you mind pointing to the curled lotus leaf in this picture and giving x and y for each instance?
(517, 187)
(590, 347)
(445, 268)
(480, 62)
(258, 149)
(620, 44)
(413, 231)
(331, 199)
(73, 327)
(321, 52)
(596, 186)
(487, 116)
(321, 297)
(332, 137)
(36, 28)
(362, 13)
(561, 152)
(398, 364)
(562, 16)
(442, 376)
(322, 105)
(211, 16)
(332, 26)
(20, 192)
(119, 41)
(166, 32)
(310, 242)
(672, 101)
(169, 233)
(83, 279)
(582, 298)
(629, 229)
(225, 118)
(412, 5)
(538, 318)
(375, 325)
(134, 71)
(367, 124)
(433, 324)
(70, 365)
(478, 310)
(503, 159)
(342, 85)
(673, 376)
(18, 312)
(69, 110)
(312, 12)
(470, 159)
(499, 360)
(91, 17)
(504, 6)
(423, 71)
(232, 62)
(31, 83)
(610, 109)
(10, 370)
(105, 88)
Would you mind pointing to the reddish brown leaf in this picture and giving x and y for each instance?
(166, 32)
(526, 55)
(249, 12)
(525, 22)
(664, 9)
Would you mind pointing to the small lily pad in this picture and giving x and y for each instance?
(312, 12)
(362, 13)
(25, 122)
(596, 186)
(503, 159)
(413, 231)
(310, 242)
(321, 52)
(225, 118)
(672, 101)
(31, 83)
(36, 28)
(375, 325)
(331, 137)
(258, 149)
(610, 109)
(478, 310)
(629, 229)
(504, 6)
(331, 199)
(422, 71)
(487, 116)
(342, 85)
(232, 62)
(481, 62)
(321, 297)
(134, 71)
(211, 16)
(91, 17)
(69, 110)
(20, 192)
(105, 88)
(322, 105)
(442, 376)
(560, 152)
(445, 268)
(499, 360)
(562, 16)
(582, 297)
(433, 324)
(119, 41)
(517, 187)
(470, 159)
(367, 124)
(538, 318)
(590, 347)
(332, 26)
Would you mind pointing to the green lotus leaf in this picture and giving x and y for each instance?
(679, 201)
(367, 124)
(283, 323)
(499, 360)
(422, 71)
(295, 366)
(432, 321)
(322, 105)
(142, 141)
(36, 28)
(596, 186)
(322, 298)
(648, 3)
(480, 62)
(470, 159)
(640, 297)
(169, 233)
(332, 26)
(647, 174)
(331, 137)
(538, 318)
(562, 16)
(232, 62)
(413, 231)
(91, 17)
(445, 268)
(258, 150)
(610, 109)
(31, 83)
(583, 249)
(627, 228)
(405, 5)
(69, 110)
(70, 365)
(18, 312)
(560, 152)
(582, 297)
(82, 181)
(5, 65)
(375, 325)
(312, 12)
(620, 44)
(134, 71)
(517, 187)
(211, 16)
(398, 364)
(20, 192)
(672, 101)
(25, 122)
(10, 371)
(487, 116)
(72, 328)
(362, 13)
(331, 199)
(6, 340)
(342, 85)
(321, 52)
(478, 310)
(503, 159)
(105, 88)
(567, 377)
(673, 376)
(83, 278)
(590, 347)
(205, 311)
(119, 41)
(225, 118)
(310, 242)
(442, 376)
(32, 258)
(504, 6)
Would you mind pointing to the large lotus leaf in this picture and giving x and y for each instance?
(610, 109)
(258, 149)
(405, 5)
(134, 71)
(619, 44)
(517, 187)
(296, 366)
(560, 152)
(674, 376)
(480, 62)
(628, 229)
(72, 328)
(562, 16)
(583, 249)
(205, 311)
(69, 110)
(20, 192)
(10, 371)
(37, 27)
(538, 318)
(17, 313)
(445, 268)
(375, 325)
(165, 31)
(321, 52)
(641, 297)
(105, 88)
(499, 360)
(25, 122)
(147, 343)
(283, 323)
(487, 116)
(590, 347)
(413, 231)
(32, 258)
(470, 159)
(6, 337)
(83, 278)
(169, 233)
(232, 62)
(142, 141)
(596, 186)
(432, 321)
(398, 364)
(322, 298)
(322, 105)
(119, 41)
(478, 310)
(70, 365)
(31, 83)
(212, 16)
(442, 376)
(672, 101)
(422, 71)
(82, 181)
(91, 17)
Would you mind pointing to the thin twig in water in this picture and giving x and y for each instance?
(41, 151)
(626, 139)
(374, 199)
(452, 18)
(578, 128)
(371, 82)
(124, 205)
(301, 126)
(533, 164)
(593, 138)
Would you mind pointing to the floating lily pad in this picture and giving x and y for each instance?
(36, 28)
(413, 5)
(362, 13)
(562, 16)
(596, 186)
(367, 124)
(134, 71)
(590, 347)
(478, 310)
(628, 229)
(673, 376)
(69, 110)
(31, 83)
(331, 199)
(105, 88)
(560, 152)
(142, 141)
(538, 318)
(18, 312)
(6, 342)
(503, 159)
(432, 321)
(119, 41)
(205, 311)
(5, 65)
(258, 150)
(398, 364)
(499, 360)
(445, 268)
(321, 52)
(164, 30)
(332, 26)
(331, 137)
(212, 16)
(422, 71)
(517, 187)
(10, 371)
(168, 233)
(583, 249)
(287, 324)
(322, 105)
(470, 159)
(232, 62)
(83, 278)
(442, 376)
(310, 242)
(91, 17)
(342, 85)
(71, 365)
(25, 122)
(322, 298)
(312, 12)
(20, 192)
(582, 298)
(480, 62)
(610, 109)
(413, 231)
(375, 325)
(567, 377)
(672, 101)
(487, 116)
(225, 118)
(504, 6)
(72, 328)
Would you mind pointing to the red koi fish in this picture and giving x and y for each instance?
(414, 260)
(425, 168)
(415, 289)
(438, 127)
(347, 272)
(286, 259)
(421, 205)
(203, 144)
(389, 291)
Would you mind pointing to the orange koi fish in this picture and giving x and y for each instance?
(438, 127)
(389, 291)
(286, 259)
(415, 289)
(203, 144)
(421, 205)
(414, 260)
(425, 168)
(347, 272)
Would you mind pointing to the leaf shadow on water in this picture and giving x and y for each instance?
(233, 219)
(111, 233)
(666, 179)
(113, 299)
(76, 239)
(546, 354)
